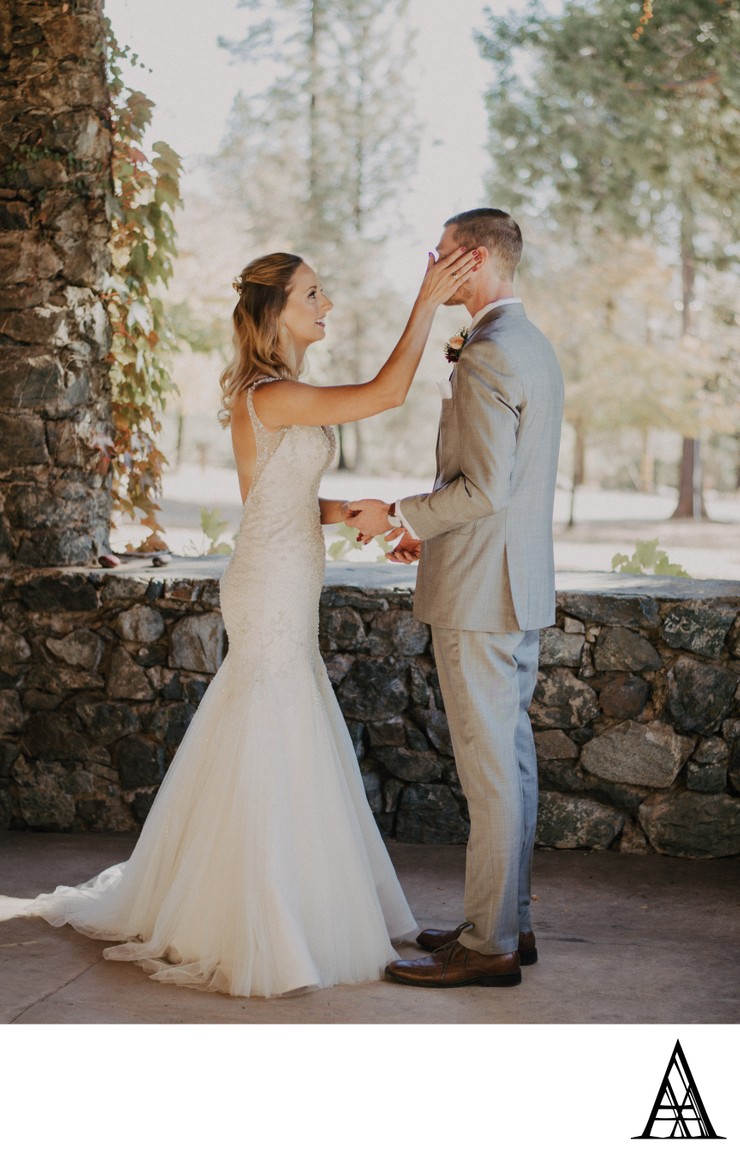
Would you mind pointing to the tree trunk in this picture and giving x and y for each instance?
(342, 464)
(579, 469)
(647, 465)
(180, 437)
(349, 461)
(690, 481)
(690, 501)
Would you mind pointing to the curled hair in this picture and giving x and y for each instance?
(494, 230)
(263, 287)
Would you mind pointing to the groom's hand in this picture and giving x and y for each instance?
(369, 517)
(407, 550)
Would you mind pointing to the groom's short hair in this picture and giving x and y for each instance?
(494, 230)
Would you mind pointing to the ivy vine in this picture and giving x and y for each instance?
(145, 194)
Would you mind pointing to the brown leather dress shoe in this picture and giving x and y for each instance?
(434, 939)
(456, 965)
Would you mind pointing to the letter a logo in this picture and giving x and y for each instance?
(678, 1111)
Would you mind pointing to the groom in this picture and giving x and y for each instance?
(486, 585)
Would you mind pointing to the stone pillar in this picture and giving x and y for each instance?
(55, 162)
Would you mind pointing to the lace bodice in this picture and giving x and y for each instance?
(271, 587)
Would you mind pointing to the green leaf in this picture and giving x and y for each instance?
(212, 524)
(647, 559)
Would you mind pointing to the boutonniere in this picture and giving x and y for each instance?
(454, 346)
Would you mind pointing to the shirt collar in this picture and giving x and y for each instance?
(490, 306)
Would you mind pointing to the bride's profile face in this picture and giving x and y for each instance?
(305, 312)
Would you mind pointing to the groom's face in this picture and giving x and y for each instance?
(446, 246)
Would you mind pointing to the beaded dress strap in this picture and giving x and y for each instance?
(266, 441)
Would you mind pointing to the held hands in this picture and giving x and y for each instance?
(444, 276)
(370, 518)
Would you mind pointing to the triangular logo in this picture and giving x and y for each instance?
(678, 1111)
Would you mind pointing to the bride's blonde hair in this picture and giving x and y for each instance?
(263, 287)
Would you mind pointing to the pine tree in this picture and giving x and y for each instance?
(635, 134)
(314, 160)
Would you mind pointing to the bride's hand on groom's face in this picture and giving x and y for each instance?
(445, 275)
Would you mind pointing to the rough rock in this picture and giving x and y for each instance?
(633, 841)
(641, 754)
(343, 630)
(390, 733)
(11, 712)
(125, 679)
(616, 610)
(13, 647)
(42, 796)
(374, 791)
(357, 735)
(107, 722)
(78, 649)
(691, 825)
(337, 667)
(140, 624)
(198, 643)
(59, 593)
(698, 628)
(624, 696)
(733, 774)
(170, 723)
(410, 766)
(58, 679)
(140, 760)
(430, 814)
(699, 694)
(398, 633)
(48, 737)
(710, 778)
(373, 690)
(561, 700)
(620, 649)
(571, 823)
(712, 750)
(560, 649)
(555, 745)
(434, 723)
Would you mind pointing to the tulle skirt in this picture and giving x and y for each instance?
(260, 870)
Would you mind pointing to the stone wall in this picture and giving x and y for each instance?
(54, 179)
(636, 713)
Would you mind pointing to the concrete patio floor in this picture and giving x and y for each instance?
(622, 939)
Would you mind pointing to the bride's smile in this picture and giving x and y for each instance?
(306, 309)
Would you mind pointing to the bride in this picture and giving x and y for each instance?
(260, 870)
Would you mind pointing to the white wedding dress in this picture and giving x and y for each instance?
(260, 869)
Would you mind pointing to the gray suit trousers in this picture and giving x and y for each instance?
(487, 681)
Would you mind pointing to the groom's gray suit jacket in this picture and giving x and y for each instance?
(487, 560)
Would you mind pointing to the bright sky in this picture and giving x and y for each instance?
(193, 83)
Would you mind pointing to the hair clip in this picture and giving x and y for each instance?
(238, 283)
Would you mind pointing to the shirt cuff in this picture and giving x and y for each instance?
(407, 526)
